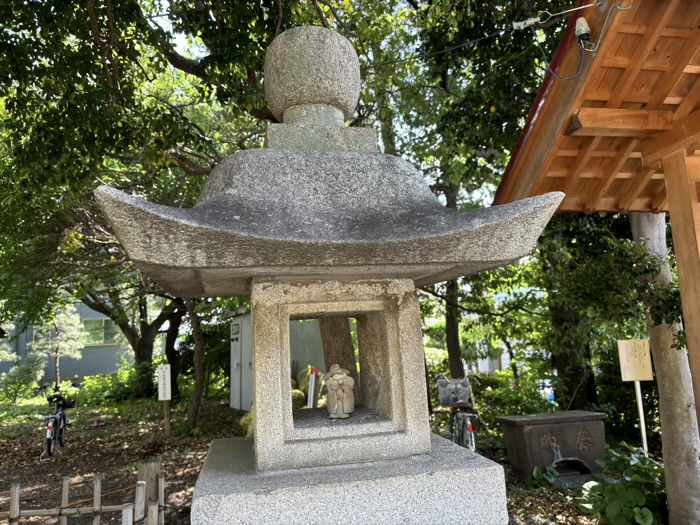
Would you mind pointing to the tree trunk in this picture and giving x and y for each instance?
(679, 426)
(511, 357)
(452, 313)
(337, 346)
(452, 318)
(385, 110)
(143, 351)
(57, 366)
(174, 323)
(193, 413)
(572, 362)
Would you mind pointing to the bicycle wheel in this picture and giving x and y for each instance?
(62, 430)
(470, 433)
(465, 432)
(50, 444)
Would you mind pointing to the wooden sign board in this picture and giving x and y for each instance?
(163, 372)
(635, 360)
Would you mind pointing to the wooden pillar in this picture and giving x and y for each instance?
(682, 175)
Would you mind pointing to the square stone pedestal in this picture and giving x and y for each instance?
(450, 485)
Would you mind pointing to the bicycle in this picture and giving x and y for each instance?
(463, 422)
(456, 394)
(56, 425)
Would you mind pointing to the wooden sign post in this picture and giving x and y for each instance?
(164, 393)
(635, 365)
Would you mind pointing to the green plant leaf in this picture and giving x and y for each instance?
(634, 496)
(614, 509)
(643, 516)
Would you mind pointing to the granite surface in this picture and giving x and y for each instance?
(392, 374)
(450, 485)
(319, 203)
(311, 65)
(317, 215)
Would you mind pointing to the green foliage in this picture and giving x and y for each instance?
(498, 394)
(543, 476)
(617, 399)
(638, 498)
(436, 361)
(61, 336)
(122, 385)
(7, 353)
(21, 380)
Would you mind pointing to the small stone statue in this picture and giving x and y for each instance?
(341, 401)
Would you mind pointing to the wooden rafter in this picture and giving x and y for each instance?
(586, 152)
(616, 122)
(639, 182)
(684, 133)
(689, 102)
(610, 173)
(639, 57)
(659, 202)
(669, 80)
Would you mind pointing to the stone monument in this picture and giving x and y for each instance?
(320, 224)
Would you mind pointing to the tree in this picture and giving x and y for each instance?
(199, 371)
(681, 442)
(155, 133)
(61, 336)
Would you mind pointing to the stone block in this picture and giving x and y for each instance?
(394, 423)
(286, 137)
(545, 439)
(450, 485)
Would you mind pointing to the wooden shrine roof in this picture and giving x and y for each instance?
(599, 138)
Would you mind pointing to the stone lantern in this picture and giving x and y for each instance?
(320, 224)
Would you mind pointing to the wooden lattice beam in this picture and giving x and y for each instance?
(639, 57)
(614, 122)
(615, 166)
(684, 133)
(639, 182)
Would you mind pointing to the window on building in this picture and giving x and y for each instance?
(100, 332)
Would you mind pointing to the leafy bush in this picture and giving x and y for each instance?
(543, 476)
(638, 498)
(436, 361)
(617, 399)
(126, 383)
(22, 379)
(497, 394)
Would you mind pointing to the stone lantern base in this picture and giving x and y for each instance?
(449, 485)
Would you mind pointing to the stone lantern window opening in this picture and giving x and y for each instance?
(373, 407)
(322, 365)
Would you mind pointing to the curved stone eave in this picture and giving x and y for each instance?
(192, 258)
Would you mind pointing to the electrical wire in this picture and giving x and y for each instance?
(441, 52)
(530, 22)
(594, 49)
(544, 55)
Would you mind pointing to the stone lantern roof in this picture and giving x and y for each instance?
(319, 202)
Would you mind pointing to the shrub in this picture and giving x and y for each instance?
(22, 379)
(497, 394)
(127, 383)
(638, 498)
(436, 361)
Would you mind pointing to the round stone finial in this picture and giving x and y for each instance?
(314, 67)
